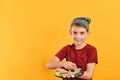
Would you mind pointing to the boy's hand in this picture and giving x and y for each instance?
(61, 70)
(69, 65)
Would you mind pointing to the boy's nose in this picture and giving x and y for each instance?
(78, 36)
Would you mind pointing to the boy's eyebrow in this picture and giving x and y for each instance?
(74, 31)
(82, 32)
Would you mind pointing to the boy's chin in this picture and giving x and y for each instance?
(77, 43)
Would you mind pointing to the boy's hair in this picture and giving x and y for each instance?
(81, 21)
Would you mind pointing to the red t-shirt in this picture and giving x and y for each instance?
(81, 57)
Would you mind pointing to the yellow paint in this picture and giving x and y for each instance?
(32, 31)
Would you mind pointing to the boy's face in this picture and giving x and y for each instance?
(79, 34)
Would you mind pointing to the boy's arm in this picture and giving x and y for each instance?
(89, 72)
(56, 63)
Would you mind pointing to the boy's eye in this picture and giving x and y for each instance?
(75, 32)
(81, 32)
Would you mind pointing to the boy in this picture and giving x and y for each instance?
(79, 54)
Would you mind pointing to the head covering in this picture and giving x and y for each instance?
(81, 21)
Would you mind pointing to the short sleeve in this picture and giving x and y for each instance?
(62, 53)
(92, 55)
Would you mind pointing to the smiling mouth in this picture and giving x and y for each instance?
(77, 40)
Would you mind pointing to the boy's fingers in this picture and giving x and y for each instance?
(71, 67)
(74, 65)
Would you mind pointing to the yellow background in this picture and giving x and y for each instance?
(32, 31)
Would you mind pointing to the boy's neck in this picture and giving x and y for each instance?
(80, 46)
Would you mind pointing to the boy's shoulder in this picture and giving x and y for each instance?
(90, 46)
(68, 46)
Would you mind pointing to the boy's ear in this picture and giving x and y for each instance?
(89, 33)
(70, 32)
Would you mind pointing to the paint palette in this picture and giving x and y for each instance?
(71, 73)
